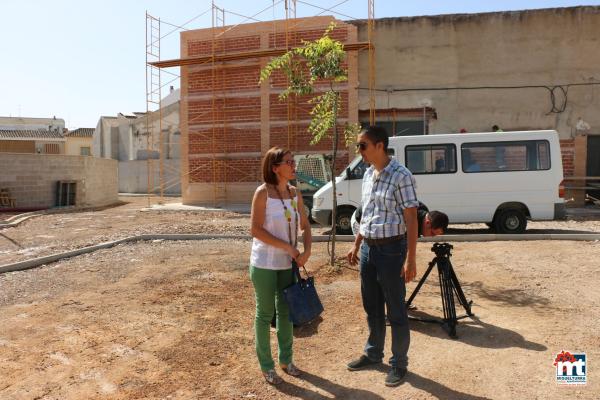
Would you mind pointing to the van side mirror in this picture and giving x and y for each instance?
(348, 173)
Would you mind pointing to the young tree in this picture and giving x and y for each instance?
(318, 61)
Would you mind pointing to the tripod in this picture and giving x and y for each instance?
(449, 286)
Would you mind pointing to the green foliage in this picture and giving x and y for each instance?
(324, 114)
(318, 61)
(351, 131)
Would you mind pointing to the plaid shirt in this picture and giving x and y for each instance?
(383, 200)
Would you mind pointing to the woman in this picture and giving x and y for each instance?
(277, 214)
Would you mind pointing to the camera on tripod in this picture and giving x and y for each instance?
(449, 288)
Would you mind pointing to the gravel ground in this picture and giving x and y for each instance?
(54, 233)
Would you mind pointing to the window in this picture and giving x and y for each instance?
(357, 168)
(84, 151)
(526, 155)
(431, 159)
(51, 148)
(66, 193)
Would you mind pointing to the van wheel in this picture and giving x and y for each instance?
(511, 220)
(344, 221)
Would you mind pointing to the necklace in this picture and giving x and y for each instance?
(288, 215)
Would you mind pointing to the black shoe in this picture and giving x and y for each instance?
(396, 376)
(361, 363)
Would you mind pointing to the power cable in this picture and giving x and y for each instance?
(556, 108)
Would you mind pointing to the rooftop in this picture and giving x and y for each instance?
(29, 134)
(81, 132)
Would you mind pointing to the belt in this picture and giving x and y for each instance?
(391, 239)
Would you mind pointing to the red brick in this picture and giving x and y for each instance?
(227, 45)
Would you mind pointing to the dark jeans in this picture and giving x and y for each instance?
(381, 286)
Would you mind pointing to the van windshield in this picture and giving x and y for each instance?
(356, 169)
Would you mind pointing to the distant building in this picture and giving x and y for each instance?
(26, 123)
(133, 139)
(79, 142)
(32, 135)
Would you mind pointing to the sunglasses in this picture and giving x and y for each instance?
(291, 163)
(362, 145)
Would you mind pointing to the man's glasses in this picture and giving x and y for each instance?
(291, 163)
(362, 145)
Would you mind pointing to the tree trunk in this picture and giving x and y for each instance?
(333, 183)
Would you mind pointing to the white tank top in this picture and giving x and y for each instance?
(264, 255)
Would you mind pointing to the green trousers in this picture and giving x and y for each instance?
(268, 286)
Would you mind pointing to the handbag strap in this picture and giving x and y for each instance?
(296, 270)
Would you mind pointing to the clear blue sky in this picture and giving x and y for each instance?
(80, 59)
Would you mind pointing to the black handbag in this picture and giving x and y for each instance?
(302, 298)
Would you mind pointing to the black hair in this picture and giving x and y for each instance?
(377, 134)
(438, 220)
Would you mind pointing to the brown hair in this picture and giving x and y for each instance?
(273, 157)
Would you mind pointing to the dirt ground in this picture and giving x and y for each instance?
(173, 320)
(55, 233)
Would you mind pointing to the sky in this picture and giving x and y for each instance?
(81, 59)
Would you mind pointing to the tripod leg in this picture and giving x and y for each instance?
(447, 297)
(421, 282)
(459, 292)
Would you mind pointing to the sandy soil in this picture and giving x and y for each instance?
(173, 320)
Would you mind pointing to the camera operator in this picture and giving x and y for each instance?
(431, 223)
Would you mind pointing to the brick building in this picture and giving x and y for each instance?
(228, 120)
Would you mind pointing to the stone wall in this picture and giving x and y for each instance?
(133, 176)
(32, 179)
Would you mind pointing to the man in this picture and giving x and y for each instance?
(388, 252)
(431, 223)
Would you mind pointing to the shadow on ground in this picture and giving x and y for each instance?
(474, 332)
(337, 391)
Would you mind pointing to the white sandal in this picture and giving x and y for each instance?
(291, 369)
(272, 377)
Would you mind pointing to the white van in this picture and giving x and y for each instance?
(501, 178)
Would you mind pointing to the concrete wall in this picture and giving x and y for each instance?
(538, 47)
(74, 144)
(104, 142)
(31, 179)
(133, 139)
(133, 176)
(123, 137)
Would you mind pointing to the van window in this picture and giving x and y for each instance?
(431, 159)
(526, 155)
(358, 167)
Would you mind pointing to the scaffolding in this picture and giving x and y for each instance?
(217, 60)
(218, 119)
(153, 97)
